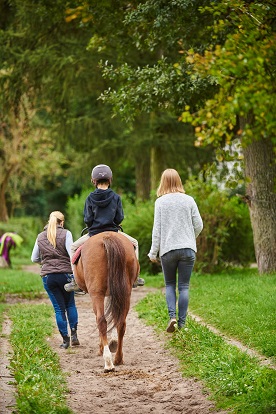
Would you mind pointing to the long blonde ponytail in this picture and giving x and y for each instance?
(56, 217)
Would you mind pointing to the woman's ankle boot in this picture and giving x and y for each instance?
(66, 342)
(74, 337)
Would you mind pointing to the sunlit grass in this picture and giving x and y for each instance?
(235, 380)
(239, 303)
(41, 385)
(24, 284)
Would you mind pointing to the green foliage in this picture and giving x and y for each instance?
(243, 69)
(235, 381)
(74, 213)
(226, 227)
(138, 223)
(41, 385)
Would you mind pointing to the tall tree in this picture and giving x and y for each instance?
(27, 156)
(218, 69)
(244, 109)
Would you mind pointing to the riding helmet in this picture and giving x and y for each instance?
(101, 172)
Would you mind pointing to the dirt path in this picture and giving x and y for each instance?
(148, 382)
(7, 389)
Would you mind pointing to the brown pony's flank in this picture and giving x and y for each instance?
(107, 270)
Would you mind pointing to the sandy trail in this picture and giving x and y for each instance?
(148, 382)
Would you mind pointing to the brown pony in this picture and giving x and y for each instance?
(108, 268)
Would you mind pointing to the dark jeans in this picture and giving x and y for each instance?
(62, 301)
(181, 260)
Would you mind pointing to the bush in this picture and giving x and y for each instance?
(138, 223)
(74, 213)
(227, 235)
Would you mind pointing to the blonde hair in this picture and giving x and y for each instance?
(170, 183)
(56, 217)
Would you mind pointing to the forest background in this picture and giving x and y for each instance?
(143, 86)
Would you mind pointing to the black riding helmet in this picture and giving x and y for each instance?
(101, 172)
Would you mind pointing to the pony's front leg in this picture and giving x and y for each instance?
(118, 360)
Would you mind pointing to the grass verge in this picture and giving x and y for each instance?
(235, 381)
(239, 303)
(17, 282)
(41, 385)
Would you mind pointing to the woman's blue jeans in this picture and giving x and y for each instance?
(62, 301)
(181, 261)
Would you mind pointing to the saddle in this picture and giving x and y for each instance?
(76, 255)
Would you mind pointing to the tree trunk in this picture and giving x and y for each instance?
(157, 166)
(142, 175)
(260, 172)
(3, 205)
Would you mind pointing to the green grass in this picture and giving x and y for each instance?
(235, 381)
(240, 304)
(154, 281)
(18, 282)
(41, 385)
(40, 382)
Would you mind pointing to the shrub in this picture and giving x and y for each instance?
(138, 223)
(74, 213)
(227, 235)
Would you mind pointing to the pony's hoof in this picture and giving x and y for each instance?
(113, 344)
(119, 362)
(106, 370)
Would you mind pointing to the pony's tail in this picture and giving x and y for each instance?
(118, 283)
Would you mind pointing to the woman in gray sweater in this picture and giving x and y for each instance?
(177, 223)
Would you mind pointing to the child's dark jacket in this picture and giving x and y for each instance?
(103, 211)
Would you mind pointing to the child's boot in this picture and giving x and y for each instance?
(72, 286)
(138, 282)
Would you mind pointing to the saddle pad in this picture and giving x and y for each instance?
(76, 255)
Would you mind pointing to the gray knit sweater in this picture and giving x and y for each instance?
(177, 223)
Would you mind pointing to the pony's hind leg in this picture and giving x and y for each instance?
(113, 342)
(118, 360)
(98, 306)
(107, 356)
